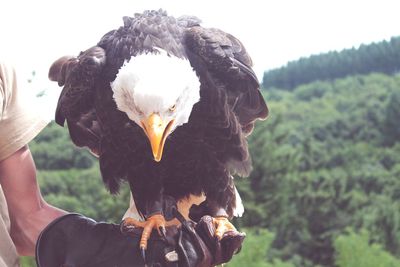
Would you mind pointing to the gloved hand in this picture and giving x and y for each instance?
(75, 240)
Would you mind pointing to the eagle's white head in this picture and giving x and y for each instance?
(157, 92)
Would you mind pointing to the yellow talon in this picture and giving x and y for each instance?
(156, 221)
(222, 225)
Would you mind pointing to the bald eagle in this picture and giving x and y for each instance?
(166, 105)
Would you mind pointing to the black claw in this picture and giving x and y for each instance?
(126, 229)
(122, 227)
(143, 252)
(163, 231)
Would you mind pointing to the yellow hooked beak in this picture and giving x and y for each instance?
(157, 131)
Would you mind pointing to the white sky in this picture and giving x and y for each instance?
(35, 33)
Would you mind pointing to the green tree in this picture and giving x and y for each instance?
(355, 250)
(391, 123)
(254, 251)
(383, 57)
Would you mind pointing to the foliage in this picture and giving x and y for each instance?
(376, 57)
(82, 191)
(27, 262)
(54, 150)
(391, 122)
(323, 162)
(355, 250)
(254, 251)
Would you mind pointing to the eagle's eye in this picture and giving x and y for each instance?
(172, 108)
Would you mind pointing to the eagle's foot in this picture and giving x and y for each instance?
(222, 226)
(156, 222)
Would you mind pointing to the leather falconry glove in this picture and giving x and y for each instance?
(77, 241)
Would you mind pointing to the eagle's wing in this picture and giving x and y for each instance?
(224, 59)
(76, 101)
(227, 60)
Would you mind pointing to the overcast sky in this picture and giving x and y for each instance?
(35, 33)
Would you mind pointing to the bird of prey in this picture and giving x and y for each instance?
(166, 105)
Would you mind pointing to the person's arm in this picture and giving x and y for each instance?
(28, 211)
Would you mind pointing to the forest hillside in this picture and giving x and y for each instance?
(381, 57)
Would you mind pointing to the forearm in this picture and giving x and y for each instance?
(28, 212)
(18, 179)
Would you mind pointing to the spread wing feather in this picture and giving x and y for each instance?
(226, 59)
(75, 104)
(234, 91)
